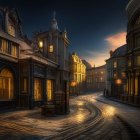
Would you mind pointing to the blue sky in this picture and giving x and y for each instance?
(94, 26)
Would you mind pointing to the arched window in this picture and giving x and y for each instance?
(6, 85)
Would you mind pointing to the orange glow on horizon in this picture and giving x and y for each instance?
(116, 40)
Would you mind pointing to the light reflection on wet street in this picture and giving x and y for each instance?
(31, 125)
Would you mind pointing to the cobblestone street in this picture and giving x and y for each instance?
(28, 124)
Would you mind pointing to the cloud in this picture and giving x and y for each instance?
(97, 58)
(116, 40)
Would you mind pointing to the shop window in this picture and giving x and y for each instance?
(37, 89)
(6, 85)
(49, 90)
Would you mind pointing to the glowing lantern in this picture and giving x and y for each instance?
(73, 83)
(118, 81)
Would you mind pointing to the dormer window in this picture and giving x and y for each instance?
(51, 48)
(11, 30)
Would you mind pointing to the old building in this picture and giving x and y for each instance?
(96, 78)
(36, 74)
(116, 77)
(133, 52)
(77, 74)
(11, 41)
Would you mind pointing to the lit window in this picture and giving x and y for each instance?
(123, 74)
(11, 30)
(37, 89)
(14, 50)
(4, 46)
(115, 64)
(101, 78)
(40, 44)
(49, 90)
(51, 48)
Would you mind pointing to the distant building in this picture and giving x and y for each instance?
(116, 76)
(88, 66)
(77, 74)
(96, 78)
(36, 74)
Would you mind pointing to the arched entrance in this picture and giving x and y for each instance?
(6, 85)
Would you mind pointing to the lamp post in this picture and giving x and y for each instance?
(73, 84)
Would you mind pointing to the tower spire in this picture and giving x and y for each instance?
(54, 25)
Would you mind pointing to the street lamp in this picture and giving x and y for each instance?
(73, 84)
(118, 82)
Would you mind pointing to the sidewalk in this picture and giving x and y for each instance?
(129, 113)
(123, 102)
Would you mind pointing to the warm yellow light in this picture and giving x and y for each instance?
(40, 44)
(109, 111)
(80, 103)
(73, 83)
(101, 78)
(118, 81)
(51, 48)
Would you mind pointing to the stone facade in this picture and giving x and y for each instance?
(77, 74)
(36, 74)
(96, 78)
(116, 76)
(128, 87)
(133, 52)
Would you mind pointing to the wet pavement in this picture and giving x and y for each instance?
(92, 117)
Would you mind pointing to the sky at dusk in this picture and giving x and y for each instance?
(94, 26)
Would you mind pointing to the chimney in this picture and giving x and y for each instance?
(111, 52)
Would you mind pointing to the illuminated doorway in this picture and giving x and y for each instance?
(49, 90)
(6, 85)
